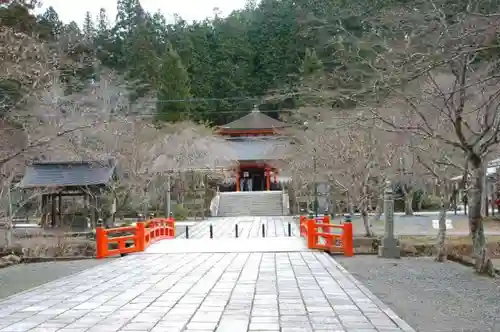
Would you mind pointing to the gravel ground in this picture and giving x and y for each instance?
(18, 278)
(430, 296)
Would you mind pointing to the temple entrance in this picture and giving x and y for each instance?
(252, 179)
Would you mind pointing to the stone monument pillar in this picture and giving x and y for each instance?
(389, 247)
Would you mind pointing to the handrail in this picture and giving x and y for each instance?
(144, 234)
(317, 231)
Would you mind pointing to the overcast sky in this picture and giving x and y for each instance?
(74, 10)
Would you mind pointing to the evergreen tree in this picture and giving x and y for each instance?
(311, 65)
(49, 25)
(144, 61)
(129, 15)
(173, 89)
(89, 31)
(102, 22)
(106, 48)
(269, 50)
(18, 16)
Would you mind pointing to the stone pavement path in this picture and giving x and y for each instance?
(272, 244)
(230, 292)
(248, 227)
(229, 285)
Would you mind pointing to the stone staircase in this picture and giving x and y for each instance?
(251, 203)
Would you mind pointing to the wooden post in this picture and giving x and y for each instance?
(43, 221)
(238, 179)
(97, 207)
(140, 233)
(268, 179)
(59, 207)
(101, 242)
(311, 233)
(53, 210)
(348, 239)
(171, 223)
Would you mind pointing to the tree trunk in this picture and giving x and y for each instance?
(350, 208)
(379, 209)
(367, 223)
(8, 233)
(419, 203)
(409, 203)
(441, 243)
(483, 262)
(366, 220)
(484, 193)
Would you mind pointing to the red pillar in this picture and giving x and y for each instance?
(268, 179)
(237, 179)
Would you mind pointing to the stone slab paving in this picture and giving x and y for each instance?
(227, 245)
(223, 292)
(248, 227)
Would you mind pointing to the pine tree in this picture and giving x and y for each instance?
(129, 15)
(311, 65)
(106, 50)
(89, 31)
(173, 89)
(102, 22)
(50, 22)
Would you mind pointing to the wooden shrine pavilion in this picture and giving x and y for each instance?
(259, 143)
(58, 179)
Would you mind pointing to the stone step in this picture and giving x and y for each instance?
(251, 203)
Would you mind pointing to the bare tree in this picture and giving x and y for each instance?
(441, 84)
(364, 159)
(39, 127)
(438, 168)
(353, 158)
(148, 155)
(310, 161)
(29, 109)
(406, 173)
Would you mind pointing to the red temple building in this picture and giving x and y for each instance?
(259, 143)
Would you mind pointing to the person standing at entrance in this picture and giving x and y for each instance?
(244, 187)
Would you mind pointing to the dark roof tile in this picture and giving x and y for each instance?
(67, 174)
(255, 120)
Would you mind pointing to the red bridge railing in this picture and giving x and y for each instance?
(319, 235)
(138, 237)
